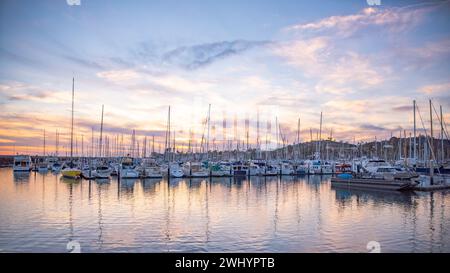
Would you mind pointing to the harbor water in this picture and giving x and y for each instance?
(47, 213)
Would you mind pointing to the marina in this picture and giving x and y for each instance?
(223, 128)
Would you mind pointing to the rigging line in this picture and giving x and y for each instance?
(438, 116)
(428, 140)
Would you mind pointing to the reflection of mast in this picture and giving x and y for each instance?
(100, 218)
(101, 132)
(70, 211)
(71, 126)
(207, 212)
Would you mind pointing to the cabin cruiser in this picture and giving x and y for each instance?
(88, 171)
(384, 170)
(102, 171)
(301, 168)
(71, 170)
(56, 167)
(240, 169)
(315, 167)
(271, 169)
(149, 169)
(216, 170)
(254, 169)
(286, 169)
(22, 163)
(42, 166)
(326, 168)
(226, 168)
(195, 169)
(127, 168)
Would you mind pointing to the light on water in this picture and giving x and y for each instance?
(44, 212)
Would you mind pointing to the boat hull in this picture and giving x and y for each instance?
(375, 184)
(71, 173)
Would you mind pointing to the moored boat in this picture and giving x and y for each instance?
(22, 163)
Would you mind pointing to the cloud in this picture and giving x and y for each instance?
(435, 88)
(403, 108)
(371, 127)
(335, 72)
(18, 91)
(394, 19)
(118, 76)
(196, 56)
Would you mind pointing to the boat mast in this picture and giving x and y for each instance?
(298, 138)
(414, 143)
(431, 133)
(320, 134)
(442, 135)
(44, 142)
(207, 137)
(71, 126)
(57, 142)
(101, 132)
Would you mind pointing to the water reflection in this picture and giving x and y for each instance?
(287, 214)
(21, 177)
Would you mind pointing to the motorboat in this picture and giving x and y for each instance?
(128, 168)
(195, 169)
(22, 163)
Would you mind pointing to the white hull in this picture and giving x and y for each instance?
(129, 174)
(21, 169)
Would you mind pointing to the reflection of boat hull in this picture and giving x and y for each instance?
(71, 173)
(177, 173)
(124, 174)
(377, 184)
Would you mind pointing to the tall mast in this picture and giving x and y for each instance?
(207, 137)
(442, 134)
(101, 132)
(57, 142)
(44, 142)
(257, 130)
(298, 137)
(71, 126)
(224, 131)
(320, 134)
(414, 143)
(431, 133)
(92, 142)
(153, 144)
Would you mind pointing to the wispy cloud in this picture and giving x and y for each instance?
(196, 56)
(434, 89)
(394, 19)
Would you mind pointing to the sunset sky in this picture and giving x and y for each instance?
(361, 65)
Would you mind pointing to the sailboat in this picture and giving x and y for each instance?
(71, 170)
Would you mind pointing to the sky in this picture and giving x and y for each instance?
(274, 61)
